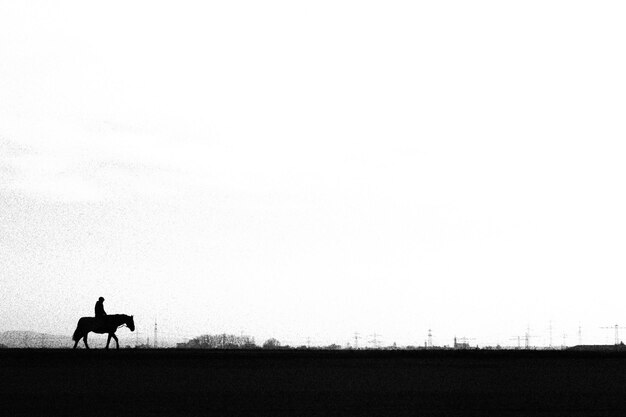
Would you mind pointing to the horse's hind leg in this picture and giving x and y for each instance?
(76, 343)
(117, 343)
(108, 341)
(85, 340)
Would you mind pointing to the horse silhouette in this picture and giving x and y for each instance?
(107, 324)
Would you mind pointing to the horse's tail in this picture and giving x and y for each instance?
(77, 334)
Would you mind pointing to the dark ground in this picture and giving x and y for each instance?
(324, 383)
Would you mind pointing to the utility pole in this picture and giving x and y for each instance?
(156, 345)
(580, 335)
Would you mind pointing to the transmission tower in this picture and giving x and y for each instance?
(156, 345)
(527, 337)
(616, 328)
(519, 341)
(429, 344)
(374, 341)
(356, 340)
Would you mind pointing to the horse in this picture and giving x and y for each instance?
(107, 324)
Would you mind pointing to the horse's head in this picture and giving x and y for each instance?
(130, 322)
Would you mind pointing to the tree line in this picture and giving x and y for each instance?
(227, 341)
(231, 341)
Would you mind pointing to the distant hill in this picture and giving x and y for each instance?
(29, 339)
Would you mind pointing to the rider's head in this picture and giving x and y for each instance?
(101, 299)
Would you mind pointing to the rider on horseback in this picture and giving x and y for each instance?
(100, 313)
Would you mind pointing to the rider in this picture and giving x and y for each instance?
(100, 308)
(100, 313)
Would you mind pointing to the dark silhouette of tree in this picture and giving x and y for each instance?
(219, 341)
(271, 344)
(332, 347)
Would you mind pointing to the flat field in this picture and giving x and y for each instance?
(325, 383)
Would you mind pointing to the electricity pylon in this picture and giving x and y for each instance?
(616, 328)
(519, 341)
(374, 341)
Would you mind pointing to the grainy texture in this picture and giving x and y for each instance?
(190, 382)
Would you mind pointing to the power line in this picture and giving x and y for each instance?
(616, 328)
(374, 341)
(527, 337)
(518, 338)
(462, 342)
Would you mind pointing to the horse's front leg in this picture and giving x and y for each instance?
(109, 340)
(117, 343)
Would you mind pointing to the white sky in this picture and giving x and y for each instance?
(312, 169)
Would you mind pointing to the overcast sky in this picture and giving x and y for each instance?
(315, 168)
